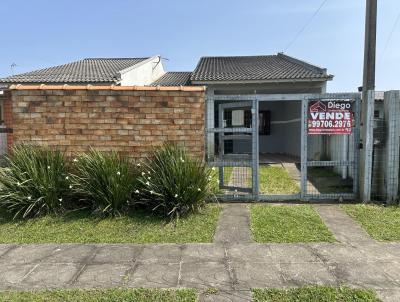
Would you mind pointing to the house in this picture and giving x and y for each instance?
(266, 74)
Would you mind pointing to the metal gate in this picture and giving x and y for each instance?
(328, 167)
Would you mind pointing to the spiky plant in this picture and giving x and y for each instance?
(105, 180)
(172, 183)
(34, 181)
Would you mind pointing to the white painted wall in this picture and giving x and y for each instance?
(143, 73)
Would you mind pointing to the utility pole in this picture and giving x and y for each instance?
(368, 100)
(370, 46)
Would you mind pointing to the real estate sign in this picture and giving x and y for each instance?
(330, 116)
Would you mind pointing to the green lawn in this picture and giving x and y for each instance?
(382, 223)
(276, 180)
(110, 295)
(81, 227)
(288, 223)
(315, 294)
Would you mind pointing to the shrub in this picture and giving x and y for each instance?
(34, 182)
(105, 180)
(172, 183)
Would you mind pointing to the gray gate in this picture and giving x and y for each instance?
(327, 167)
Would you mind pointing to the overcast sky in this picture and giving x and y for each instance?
(42, 33)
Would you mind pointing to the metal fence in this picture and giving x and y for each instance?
(386, 147)
(261, 148)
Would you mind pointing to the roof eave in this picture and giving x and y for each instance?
(277, 81)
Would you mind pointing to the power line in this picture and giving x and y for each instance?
(390, 35)
(305, 26)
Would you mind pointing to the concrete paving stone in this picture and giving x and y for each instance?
(4, 248)
(339, 223)
(205, 275)
(292, 253)
(227, 296)
(250, 252)
(300, 274)
(102, 275)
(337, 252)
(203, 253)
(25, 254)
(153, 275)
(257, 275)
(385, 252)
(162, 253)
(117, 253)
(71, 253)
(11, 275)
(50, 275)
(233, 225)
(367, 275)
(389, 295)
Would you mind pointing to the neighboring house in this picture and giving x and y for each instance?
(95, 71)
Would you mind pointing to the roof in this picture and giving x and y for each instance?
(176, 78)
(256, 68)
(107, 87)
(91, 70)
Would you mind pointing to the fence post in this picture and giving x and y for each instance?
(367, 115)
(303, 183)
(392, 123)
(255, 148)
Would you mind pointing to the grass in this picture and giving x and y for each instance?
(326, 180)
(276, 180)
(382, 223)
(81, 227)
(110, 295)
(288, 223)
(314, 294)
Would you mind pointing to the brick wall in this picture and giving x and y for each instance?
(130, 120)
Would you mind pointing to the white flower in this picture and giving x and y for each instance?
(149, 178)
(75, 160)
(19, 184)
(143, 174)
(198, 189)
(66, 177)
(48, 167)
(70, 186)
(182, 160)
(176, 195)
(152, 192)
(138, 165)
(148, 172)
(137, 191)
(29, 197)
(118, 173)
(147, 183)
(60, 199)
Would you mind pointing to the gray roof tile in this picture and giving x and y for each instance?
(91, 70)
(176, 78)
(256, 68)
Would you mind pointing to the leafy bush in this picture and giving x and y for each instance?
(34, 181)
(105, 180)
(172, 183)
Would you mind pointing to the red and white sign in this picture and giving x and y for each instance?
(330, 117)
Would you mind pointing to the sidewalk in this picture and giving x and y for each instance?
(232, 268)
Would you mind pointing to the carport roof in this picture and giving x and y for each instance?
(256, 68)
(91, 70)
(174, 78)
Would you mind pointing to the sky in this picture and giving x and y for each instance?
(42, 33)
